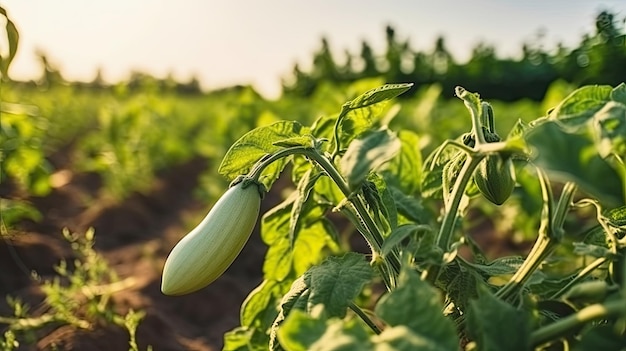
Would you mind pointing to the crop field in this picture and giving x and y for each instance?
(371, 214)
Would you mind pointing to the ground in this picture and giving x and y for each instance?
(135, 237)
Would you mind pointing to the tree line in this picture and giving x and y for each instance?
(599, 58)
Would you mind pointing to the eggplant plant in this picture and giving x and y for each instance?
(425, 283)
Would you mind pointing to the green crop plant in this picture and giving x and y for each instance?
(568, 292)
(79, 296)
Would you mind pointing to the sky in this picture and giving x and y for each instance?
(258, 42)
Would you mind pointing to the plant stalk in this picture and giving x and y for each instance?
(446, 231)
(359, 312)
(590, 313)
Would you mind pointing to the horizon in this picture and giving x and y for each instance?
(263, 52)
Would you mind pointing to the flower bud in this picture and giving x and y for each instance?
(495, 178)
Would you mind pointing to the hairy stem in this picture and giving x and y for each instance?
(550, 235)
(446, 231)
(590, 313)
(581, 275)
(359, 312)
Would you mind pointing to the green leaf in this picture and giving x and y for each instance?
(367, 154)
(306, 184)
(619, 93)
(256, 144)
(499, 266)
(616, 216)
(582, 104)
(381, 202)
(343, 336)
(602, 337)
(399, 234)
(300, 331)
(380, 94)
(244, 339)
(259, 308)
(596, 251)
(409, 207)
(295, 299)
(304, 140)
(303, 332)
(402, 338)
(13, 37)
(337, 281)
(404, 170)
(574, 157)
(332, 284)
(417, 305)
(518, 130)
(609, 127)
(281, 259)
(496, 325)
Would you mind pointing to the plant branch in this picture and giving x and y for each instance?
(590, 313)
(582, 274)
(359, 312)
(446, 231)
(373, 234)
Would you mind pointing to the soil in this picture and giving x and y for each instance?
(134, 236)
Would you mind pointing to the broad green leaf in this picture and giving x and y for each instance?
(357, 122)
(380, 201)
(302, 203)
(256, 144)
(334, 284)
(259, 308)
(574, 157)
(619, 93)
(350, 335)
(300, 331)
(518, 130)
(276, 220)
(367, 154)
(609, 127)
(582, 104)
(281, 259)
(404, 170)
(431, 182)
(499, 266)
(399, 234)
(245, 339)
(417, 305)
(13, 39)
(380, 94)
(304, 140)
(597, 251)
(496, 325)
(402, 338)
(295, 299)
(409, 207)
(461, 283)
(450, 173)
(602, 337)
(616, 216)
(337, 281)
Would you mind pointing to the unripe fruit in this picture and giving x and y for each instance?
(209, 249)
(495, 178)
